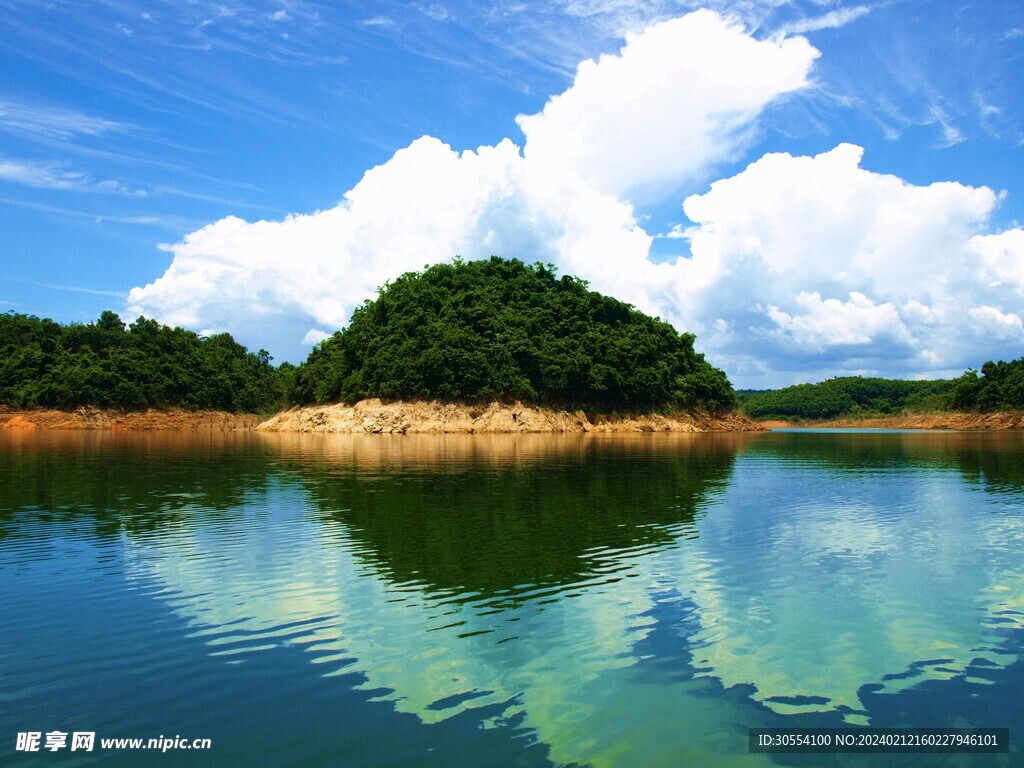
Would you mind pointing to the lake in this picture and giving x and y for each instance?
(508, 600)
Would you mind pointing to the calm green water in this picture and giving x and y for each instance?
(306, 600)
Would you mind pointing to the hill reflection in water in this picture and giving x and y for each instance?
(497, 515)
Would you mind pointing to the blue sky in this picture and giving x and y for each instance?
(851, 172)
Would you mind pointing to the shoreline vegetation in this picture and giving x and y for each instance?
(494, 345)
(992, 401)
(999, 390)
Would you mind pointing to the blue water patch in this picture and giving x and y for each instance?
(509, 600)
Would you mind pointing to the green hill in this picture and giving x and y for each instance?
(106, 364)
(847, 396)
(501, 329)
(1000, 387)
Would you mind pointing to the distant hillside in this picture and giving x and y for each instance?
(500, 329)
(108, 365)
(1000, 387)
(850, 395)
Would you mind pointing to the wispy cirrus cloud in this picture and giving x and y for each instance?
(51, 175)
(54, 122)
(951, 135)
(75, 289)
(621, 16)
(169, 222)
(831, 20)
(436, 11)
(54, 287)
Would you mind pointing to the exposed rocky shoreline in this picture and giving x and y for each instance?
(152, 419)
(953, 421)
(374, 416)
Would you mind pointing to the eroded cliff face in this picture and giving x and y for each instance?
(374, 416)
(95, 418)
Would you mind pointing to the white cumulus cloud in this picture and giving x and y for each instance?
(825, 323)
(682, 95)
(798, 267)
(997, 325)
(816, 265)
(678, 98)
(1000, 259)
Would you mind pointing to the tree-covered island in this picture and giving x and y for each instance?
(499, 329)
(467, 332)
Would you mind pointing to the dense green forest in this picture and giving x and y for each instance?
(107, 364)
(847, 396)
(498, 328)
(1000, 387)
